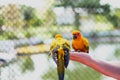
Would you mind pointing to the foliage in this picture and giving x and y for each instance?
(114, 18)
(30, 17)
(33, 22)
(117, 12)
(104, 9)
(1, 24)
(28, 34)
(27, 64)
(8, 35)
(1, 21)
(107, 15)
(12, 16)
(15, 35)
(49, 18)
(81, 3)
(101, 18)
(117, 53)
(90, 6)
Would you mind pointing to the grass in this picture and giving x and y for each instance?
(117, 53)
(81, 72)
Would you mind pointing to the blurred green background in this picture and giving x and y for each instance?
(35, 22)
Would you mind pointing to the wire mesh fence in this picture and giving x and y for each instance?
(28, 28)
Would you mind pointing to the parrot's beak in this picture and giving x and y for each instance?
(74, 36)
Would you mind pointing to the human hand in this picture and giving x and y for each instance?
(80, 57)
(107, 68)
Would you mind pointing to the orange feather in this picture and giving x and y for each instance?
(80, 43)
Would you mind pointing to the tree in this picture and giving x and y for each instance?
(1, 23)
(91, 6)
(114, 18)
(49, 18)
(73, 4)
(30, 17)
(1, 19)
(12, 17)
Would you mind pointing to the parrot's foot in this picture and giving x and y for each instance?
(72, 51)
(78, 51)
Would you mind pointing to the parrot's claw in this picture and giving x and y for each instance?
(72, 51)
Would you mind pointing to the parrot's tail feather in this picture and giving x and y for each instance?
(61, 69)
(61, 76)
(66, 57)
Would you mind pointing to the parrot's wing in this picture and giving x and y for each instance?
(86, 44)
(66, 48)
(66, 57)
(53, 47)
(54, 53)
(87, 48)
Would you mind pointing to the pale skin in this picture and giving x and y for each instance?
(107, 68)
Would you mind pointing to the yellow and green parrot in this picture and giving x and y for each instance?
(59, 49)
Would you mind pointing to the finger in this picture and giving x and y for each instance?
(79, 57)
(75, 56)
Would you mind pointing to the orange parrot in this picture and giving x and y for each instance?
(79, 43)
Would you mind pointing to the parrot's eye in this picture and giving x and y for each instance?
(74, 36)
